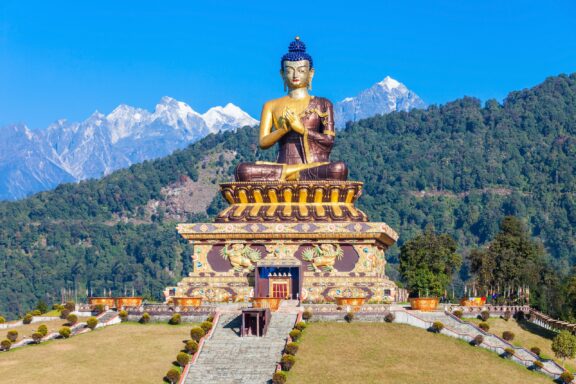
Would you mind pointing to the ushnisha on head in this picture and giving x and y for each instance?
(297, 68)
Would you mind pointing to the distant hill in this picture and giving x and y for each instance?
(460, 166)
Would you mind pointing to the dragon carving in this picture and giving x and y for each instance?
(322, 258)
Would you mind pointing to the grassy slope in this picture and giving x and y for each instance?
(127, 353)
(527, 335)
(393, 353)
(28, 329)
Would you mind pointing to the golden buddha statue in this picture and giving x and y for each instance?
(302, 125)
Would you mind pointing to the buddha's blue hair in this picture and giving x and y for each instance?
(296, 52)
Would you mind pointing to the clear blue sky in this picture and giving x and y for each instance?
(67, 59)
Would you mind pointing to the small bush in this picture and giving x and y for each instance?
(295, 334)
(484, 315)
(191, 346)
(173, 375)
(507, 315)
(5, 345)
(99, 309)
(210, 318)
(2, 320)
(36, 312)
(307, 315)
(58, 307)
(43, 330)
(72, 319)
(509, 352)
(479, 339)
(42, 306)
(458, 313)
(183, 359)
(279, 378)
(37, 337)
(65, 332)
(349, 317)
(300, 326)
(508, 336)
(390, 317)
(123, 315)
(92, 322)
(206, 326)
(287, 362)
(175, 319)
(12, 335)
(538, 364)
(291, 348)
(536, 351)
(64, 314)
(196, 334)
(566, 377)
(437, 326)
(27, 319)
(70, 306)
(484, 326)
(145, 319)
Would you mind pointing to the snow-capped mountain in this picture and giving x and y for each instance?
(33, 161)
(384, 97)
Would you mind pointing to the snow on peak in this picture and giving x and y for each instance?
(347, 100)
(226, 118)
(390, 83)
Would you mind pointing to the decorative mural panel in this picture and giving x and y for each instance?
(241, 256)
(322, 257)
(372, 259)
(200, 258)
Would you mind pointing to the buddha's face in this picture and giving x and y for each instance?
(297, 74)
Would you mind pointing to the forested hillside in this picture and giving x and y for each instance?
(461, 167)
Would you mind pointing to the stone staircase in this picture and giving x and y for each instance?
(468, 331)
(227, 358)
(107, 316)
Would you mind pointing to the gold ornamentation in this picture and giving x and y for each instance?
(241, 256)
(323, 257)
(281, 251)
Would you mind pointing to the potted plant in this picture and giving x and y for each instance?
(427, 263)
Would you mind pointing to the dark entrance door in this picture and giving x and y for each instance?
(277, 281)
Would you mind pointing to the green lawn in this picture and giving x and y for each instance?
(124, 353)
(394, 353)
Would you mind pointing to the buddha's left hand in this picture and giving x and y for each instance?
(294, 121)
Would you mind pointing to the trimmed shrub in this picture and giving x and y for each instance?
(5, 345)
(191, 346)
(206, 326)
(65, 332)
(287, 362)
(183, 359)
(279, 378)
(43, 330)
(37, 337)
(349, 317)
(36, 312)
(27, 319)
(484, 315)
(99, 309)
(175, 319)
(92, 322)
(390, 317)
(536, 351)
(42, 306)
(64, 314)
(2, 320)
(508, 336)
(72, 319)
(70, 306)
(484, 326)
(12, 335)
(538, 364)
(566, 377)
(437, 326)
(123, 315)
(458, 313)
(509, 352)
(196, 334)
(307, 315)
(173, 375)
(210, 318)
(145, 319)
(300, 326)
(291, 348)
(507, 315)
(479, 339)
(295, 334)
(58, 307)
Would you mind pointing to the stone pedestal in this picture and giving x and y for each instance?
(315, 262)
